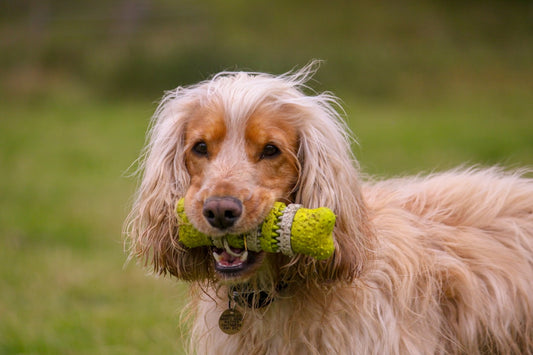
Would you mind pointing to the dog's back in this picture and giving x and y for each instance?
(455, 255)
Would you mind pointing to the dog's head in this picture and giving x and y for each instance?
(232, 146)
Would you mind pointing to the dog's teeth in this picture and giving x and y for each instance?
(232, 253)
(217, 257)
(244, 256)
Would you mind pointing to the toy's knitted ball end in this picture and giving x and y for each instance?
(188, 235)
(311, 232)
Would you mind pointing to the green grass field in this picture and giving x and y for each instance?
(64, 196)
(65, 289)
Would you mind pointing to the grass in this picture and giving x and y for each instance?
(64, 286)
(64, 195)
(406, 138)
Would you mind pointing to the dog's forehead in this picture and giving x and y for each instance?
(265, 127)
(260, 127)
(206, 125)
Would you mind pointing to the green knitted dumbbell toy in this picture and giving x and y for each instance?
(289, 229)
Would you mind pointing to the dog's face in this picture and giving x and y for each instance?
(232, 146)
(238, 169)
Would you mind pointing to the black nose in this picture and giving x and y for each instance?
(222, 212)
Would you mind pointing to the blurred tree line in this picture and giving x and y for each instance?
(374, 49)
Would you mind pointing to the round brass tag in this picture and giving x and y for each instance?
(230, 321)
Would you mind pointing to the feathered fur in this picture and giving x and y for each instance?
(441, 264)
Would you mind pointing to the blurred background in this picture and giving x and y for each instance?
(426, 85)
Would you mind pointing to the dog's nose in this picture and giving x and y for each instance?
(222, 212)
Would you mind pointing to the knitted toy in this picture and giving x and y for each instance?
(289, 229)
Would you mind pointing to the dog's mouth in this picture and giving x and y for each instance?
(233, 262)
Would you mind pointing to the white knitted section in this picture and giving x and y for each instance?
(252, 240)
(284, 231)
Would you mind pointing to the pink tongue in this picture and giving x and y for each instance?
(227, 259)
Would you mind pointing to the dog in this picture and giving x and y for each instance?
(435, 264)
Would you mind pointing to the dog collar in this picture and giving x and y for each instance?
(245, 296)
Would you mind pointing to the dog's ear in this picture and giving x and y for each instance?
(151, 226)
(329, 178)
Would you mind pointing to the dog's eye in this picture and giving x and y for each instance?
(200, 148)
(270, 151)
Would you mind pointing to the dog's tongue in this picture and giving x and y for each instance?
(228, 260)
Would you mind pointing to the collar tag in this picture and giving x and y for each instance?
(230, 321)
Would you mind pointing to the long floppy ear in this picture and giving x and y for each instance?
(329, 177)
(151, 226)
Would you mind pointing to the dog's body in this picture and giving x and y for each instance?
(427, 265)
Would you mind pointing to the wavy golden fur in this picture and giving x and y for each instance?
(441, 264)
